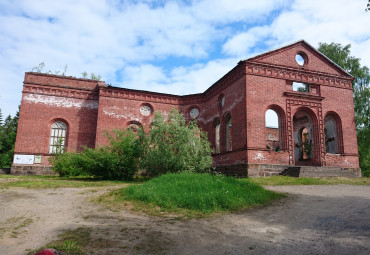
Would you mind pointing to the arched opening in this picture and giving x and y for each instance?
(217, 128)
(301, 87)
(306, 138)
(333, 134)
(305, 144)
(58, 134)
(134, 125)
(272, 130)
(275, 128)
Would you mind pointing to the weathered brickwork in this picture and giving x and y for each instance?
(232, 112)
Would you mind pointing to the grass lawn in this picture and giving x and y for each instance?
(192, 195)
(52, 182)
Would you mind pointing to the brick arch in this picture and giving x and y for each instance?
(282, 124)
(316, 157)
(134, 122)
(339, 129)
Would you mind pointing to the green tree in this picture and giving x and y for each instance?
(175, 146)
(8, 133)
(341, 55)
(1, 118)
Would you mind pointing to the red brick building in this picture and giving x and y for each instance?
(311, 96)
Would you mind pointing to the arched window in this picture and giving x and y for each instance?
(57, 137)
(134, 125)
(272, 130)
(228, 138)
(217, 126)
(333, 133)
(275, 128)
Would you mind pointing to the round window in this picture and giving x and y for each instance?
(301, 58)
(145, 110)
(194, 113)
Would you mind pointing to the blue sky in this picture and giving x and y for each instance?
(179, 47)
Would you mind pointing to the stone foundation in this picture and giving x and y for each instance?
(4, 170)
(262, 170)
(325, 171)
(31, 170)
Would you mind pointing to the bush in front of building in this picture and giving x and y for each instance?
(172, 145)
(117, 161)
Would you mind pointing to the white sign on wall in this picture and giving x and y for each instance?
(23, 159)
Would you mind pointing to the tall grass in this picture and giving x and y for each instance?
(200, 192)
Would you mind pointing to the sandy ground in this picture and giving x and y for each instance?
(312, 220)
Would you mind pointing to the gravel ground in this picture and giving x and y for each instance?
(312, 220)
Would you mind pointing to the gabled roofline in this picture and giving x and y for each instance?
(299, 42)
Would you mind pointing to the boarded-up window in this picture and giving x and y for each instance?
(331, 137)
(57, 137)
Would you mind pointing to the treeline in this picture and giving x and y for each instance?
(8, 133)
(341, 55)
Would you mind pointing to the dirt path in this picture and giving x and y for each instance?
(313, 220)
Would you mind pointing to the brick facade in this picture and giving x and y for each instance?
(237, 104)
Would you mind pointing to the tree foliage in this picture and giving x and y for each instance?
(8, 133)
(173, 145)
(341, 55)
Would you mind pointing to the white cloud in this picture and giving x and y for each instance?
(180, 80)
(133, 37)
(340, 21)
(241, 44)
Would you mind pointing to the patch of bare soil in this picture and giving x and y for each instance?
(312, 220)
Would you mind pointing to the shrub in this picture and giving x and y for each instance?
(175, 146)
(119, 160)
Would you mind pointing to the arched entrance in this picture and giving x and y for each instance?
(306, 138)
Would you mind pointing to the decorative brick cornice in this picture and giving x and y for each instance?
(303, 95)
(299, 75)
(60, 91)
(154, 97)
(139, 95)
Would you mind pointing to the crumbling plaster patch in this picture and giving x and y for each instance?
(61, 101)
(128, 113)
(122, 113)
(259, 156)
